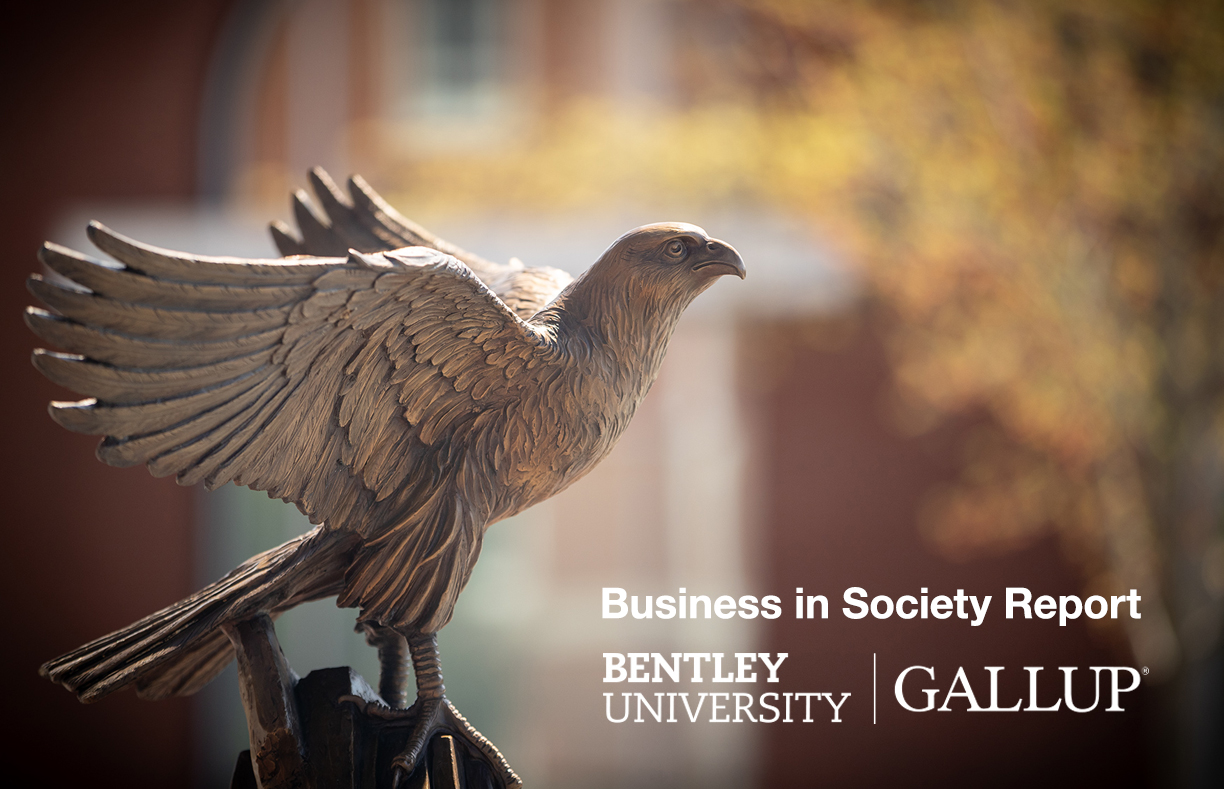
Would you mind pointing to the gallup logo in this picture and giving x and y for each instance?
(916, 682)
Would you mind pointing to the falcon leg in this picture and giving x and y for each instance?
(392, 662)
(431, 713)
(436, 714)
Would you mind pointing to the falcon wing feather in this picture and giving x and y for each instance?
(364, 221)
(331, 383)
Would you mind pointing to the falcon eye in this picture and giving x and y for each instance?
(675, 249)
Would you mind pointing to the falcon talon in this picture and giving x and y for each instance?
(439, 716)
(375, 709)
(404, 393)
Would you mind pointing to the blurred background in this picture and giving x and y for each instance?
(981, 344)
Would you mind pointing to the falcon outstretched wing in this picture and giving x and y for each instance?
(348, 386)
(364, 221)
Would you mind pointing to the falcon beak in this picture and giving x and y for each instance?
(719, 258)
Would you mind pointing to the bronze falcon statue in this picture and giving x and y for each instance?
(403, 393)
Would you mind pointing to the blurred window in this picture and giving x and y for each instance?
(446, 58)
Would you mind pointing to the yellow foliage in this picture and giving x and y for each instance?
(1034, 190)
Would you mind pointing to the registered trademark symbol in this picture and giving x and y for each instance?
(1145, 671)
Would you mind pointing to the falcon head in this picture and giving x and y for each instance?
(645, 280)
(674, 258)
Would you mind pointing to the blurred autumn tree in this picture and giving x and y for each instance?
(1033, 192)
(1038, 200)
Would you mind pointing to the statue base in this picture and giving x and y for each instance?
(304, 733)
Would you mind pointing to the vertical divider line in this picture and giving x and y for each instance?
(873, 688)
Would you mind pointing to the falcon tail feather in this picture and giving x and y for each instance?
(179, 649)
